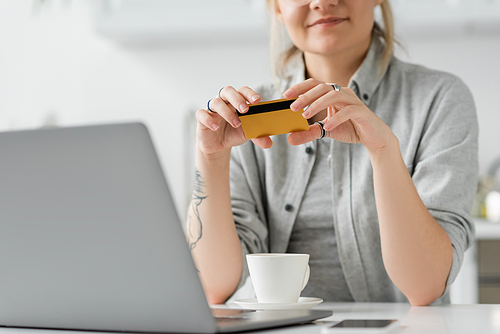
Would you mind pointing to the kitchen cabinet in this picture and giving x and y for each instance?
(479, 277)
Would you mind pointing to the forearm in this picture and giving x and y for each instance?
(211, 232)
(416, 250)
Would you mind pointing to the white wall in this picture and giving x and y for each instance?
(55, 69)
(474, 57)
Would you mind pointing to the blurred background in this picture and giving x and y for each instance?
(75, 62)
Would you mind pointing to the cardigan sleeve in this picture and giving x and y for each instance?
(445, 169)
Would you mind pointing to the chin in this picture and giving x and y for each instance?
(327, 44)
(326, 49)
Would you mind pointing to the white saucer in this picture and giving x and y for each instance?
(304, 303)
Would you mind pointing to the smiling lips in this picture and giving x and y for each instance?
(326, 22)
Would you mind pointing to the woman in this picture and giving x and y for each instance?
(381, 202)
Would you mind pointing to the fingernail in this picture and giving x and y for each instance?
(255, 98)
(243, 107)
(293, 106)
(328, 127)
(305, 114)
(215, 126)
(236, 122)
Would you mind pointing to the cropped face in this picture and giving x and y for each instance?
(327, 26)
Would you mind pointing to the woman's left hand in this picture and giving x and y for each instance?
(348, 119)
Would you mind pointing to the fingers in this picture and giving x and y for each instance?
(207, 119)
(332, 100)
(231, 100)
(263, 142)
(225, 111)
(304, 86)
(234, 98)
(239, 99)
(317, 96)
(310, 96)
(343, 115)
(250, 95)
(300, 88)
(302, 137)
(330, 112)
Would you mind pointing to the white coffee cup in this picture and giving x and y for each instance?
(278, 278)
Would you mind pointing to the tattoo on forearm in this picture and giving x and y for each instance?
(195, 227)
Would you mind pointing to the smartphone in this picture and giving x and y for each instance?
(271, 118)
(364, 326)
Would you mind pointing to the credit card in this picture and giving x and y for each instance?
(272, 118)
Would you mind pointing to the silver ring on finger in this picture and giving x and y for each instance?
(334, 86)
(323, 131)
(208, 107)
(220, 97)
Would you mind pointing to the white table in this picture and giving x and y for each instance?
(453, 319)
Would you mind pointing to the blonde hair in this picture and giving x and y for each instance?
(280, 57)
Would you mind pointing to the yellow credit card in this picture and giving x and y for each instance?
(272, 118)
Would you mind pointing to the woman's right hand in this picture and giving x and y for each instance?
(221, 129)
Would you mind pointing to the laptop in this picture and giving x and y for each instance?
(90, 239)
